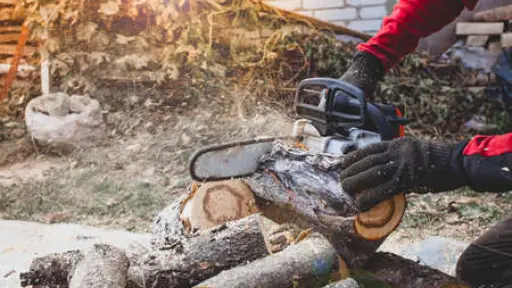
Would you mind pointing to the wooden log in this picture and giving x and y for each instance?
(503, 13)
(103, 266)
(198, 258)
(304, 187)
(404, 273)
(310, 263)
(188, 262)
(468, 28)
(52, 269)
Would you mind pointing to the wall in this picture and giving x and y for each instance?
(361, 15)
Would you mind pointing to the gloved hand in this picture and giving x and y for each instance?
(403, 165)
(365, 72)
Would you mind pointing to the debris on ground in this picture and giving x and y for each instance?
(219, 46)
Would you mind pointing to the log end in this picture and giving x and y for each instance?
(382, 219)
(215, 203)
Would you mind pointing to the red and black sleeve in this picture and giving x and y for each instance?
(485, 162)
(410, 21)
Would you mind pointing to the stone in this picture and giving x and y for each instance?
(436, 252)
(62, 123)
(28, 240)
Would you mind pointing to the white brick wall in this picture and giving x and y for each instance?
(373, 12)
(362, 15)
(321, 4)
(359, 3)
(337, 14)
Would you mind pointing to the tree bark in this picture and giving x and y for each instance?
(304, 187)
(187, 262)
(404, 273)
(103, 266)
(52, 269)
(310, 263)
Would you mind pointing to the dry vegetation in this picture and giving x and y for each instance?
(170, 81)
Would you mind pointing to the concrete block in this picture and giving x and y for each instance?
(336, 14)
(477, 40)
(469, 28)
(373, 12)
(322, 4)
(506, 40)
(365, 25)
(359, 3)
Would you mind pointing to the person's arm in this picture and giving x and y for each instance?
(486, 162)
(483, 163)
(410, 21)
(399, 35)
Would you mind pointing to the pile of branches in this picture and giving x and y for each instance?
(224, 45)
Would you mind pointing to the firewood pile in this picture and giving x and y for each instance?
(253, 232)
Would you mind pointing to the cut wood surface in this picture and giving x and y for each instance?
(215, 203)
(103, 266)
(503, 13)
(469, 28)
(310, 263)
(403, 273)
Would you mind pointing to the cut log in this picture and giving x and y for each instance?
(403, 273)
(303, 189)
(168, 227)
(310, 263)
(52, 269)
(188, 262)
(103, 266)
(198, 258)
(477, 40)
(468, 28)
(503, 13)
(216, 203)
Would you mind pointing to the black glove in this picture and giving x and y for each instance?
(365, 72)
(404, 165)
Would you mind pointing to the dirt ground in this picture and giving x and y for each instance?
(142, 167)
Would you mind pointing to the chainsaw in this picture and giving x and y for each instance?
(334, 118)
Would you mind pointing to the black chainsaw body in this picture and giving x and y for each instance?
(334, 107)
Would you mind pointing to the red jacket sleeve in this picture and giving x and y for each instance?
(410, 21)
(485, 162)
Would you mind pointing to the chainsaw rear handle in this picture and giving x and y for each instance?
(338, 104)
